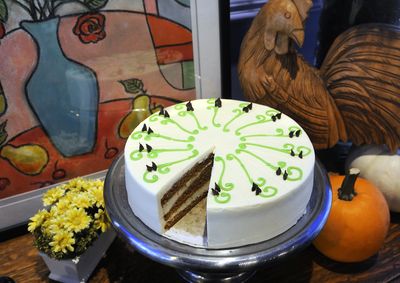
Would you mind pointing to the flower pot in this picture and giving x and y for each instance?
(80, 268)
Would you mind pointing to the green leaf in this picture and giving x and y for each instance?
(3, 101)
(95, 4)
(3, 132)
(134, 86)
(3, 11)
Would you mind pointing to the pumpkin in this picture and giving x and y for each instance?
(358, 221)
(378, 165)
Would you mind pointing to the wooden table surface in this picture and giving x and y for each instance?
(20, 261)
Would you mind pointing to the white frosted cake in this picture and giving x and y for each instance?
(253, 164)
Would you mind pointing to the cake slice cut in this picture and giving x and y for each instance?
(252, 164)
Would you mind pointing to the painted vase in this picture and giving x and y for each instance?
(62, 93)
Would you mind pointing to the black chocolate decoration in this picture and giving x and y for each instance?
(218, 103)
(292, 152)
(301, 154)
(258, 191)
(141, 148)
(161, 112)
(250, 106)
(255, 188)
(149, 148)
(297, 133)
(279, 115)
(144, 129)
(285, 175)
(149, 131)
(245, 109)
(149, 168)
(166, 114)
(215, 192)
(291, 133)
(153, 166)
(189, 106)
(278, 171)
(217, 187)
(273, 117)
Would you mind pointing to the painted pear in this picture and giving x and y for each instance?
(140, 111)
(28, 159)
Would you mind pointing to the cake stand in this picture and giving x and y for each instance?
(211, 265)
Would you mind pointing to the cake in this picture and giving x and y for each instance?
(253, 164)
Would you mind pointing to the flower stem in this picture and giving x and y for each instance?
(346, 191)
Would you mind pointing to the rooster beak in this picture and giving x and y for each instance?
(298, 36)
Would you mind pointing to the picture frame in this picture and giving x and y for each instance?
(205, 18)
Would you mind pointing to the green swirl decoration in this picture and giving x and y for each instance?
(165, 167)
(223, 197)
(239, 112)
(279, 132)
(137, 135)
(180, 106)
(166, 121)
(150, 177)
(155, 152)
(231, 156)
(286, 148)
(281, 164)
(149, 137)
(261, 119)
(294, 173)
(191, 113)
(223, 186)
(268, 192)
(136, 155)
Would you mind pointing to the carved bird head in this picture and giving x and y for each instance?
(283, 19)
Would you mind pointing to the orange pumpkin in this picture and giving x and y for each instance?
(358, 221)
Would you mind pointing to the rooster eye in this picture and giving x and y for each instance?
(287, 15)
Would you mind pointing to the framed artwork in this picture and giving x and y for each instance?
(76, 77)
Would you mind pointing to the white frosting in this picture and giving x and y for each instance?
(248, 148)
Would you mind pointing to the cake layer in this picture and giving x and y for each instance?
(262, 169)
(191, 188)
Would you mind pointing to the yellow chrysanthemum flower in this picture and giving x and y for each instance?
(62, 205)
(54, 225)
(37, 220)
(53, 195)
(82, 200)
(97, 194)
(62, 241)
(101, 221)
(76, 220)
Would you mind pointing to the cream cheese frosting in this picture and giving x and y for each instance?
(262, 173)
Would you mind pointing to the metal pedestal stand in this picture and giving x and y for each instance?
(211, 265)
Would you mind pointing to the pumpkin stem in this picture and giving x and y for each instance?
(346, 191)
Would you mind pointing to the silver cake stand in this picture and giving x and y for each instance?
(211, 265)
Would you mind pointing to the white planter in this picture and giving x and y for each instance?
(80, 268)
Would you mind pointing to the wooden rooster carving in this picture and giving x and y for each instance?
(356, 94)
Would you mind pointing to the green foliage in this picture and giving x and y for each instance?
(134, 86)
(3, 132)
(3, 11)
(95, 4)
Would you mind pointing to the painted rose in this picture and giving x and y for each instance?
(2, 30)
(90, 27)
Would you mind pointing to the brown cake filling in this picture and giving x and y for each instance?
(186, 192)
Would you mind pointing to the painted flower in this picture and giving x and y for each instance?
(2, 30)
(77, 220)
(90, 27)
(62, 241)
